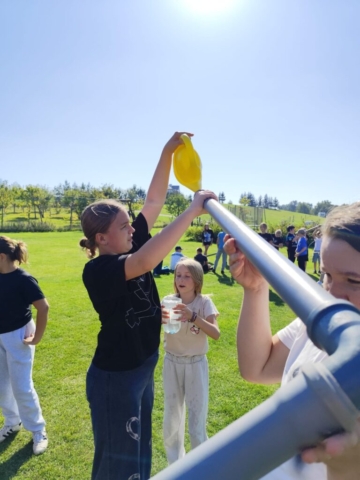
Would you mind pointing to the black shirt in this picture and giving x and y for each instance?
(266, 236)
(18, 291)
(277, 240)
(290, 241)
(129, 311)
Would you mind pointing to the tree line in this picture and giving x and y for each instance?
(36, 200)
(266, 201)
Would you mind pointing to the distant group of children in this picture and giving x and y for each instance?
(120, 379)
(296, 244)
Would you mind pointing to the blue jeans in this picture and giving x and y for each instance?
(121, 405)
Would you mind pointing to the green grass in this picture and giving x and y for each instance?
(65, 353)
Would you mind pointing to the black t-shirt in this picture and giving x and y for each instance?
(129, 311)
(202, 259)
(207, 236)
(18, 291)
(277, 240)
(266, 236)
(290, 241)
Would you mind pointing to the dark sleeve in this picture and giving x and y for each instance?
(30, 290)
(141, 234)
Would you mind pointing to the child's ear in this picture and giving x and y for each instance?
(100, 238)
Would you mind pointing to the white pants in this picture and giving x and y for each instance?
(19, 401)
(186, 381)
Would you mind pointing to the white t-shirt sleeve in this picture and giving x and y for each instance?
(288, 334)
(209, 307)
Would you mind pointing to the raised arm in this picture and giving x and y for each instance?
(161, 244)
(261, 356)
(156, 194)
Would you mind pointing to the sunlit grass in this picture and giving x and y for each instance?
(65, 353)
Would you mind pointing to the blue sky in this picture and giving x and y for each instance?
(90, 91)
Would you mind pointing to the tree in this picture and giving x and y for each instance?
(244, 200)
(36, 198)
(303, 207)
(266, 201)
(251, 198)
(109, 191)
(324, 206)
(176, 204)
(5, 199)
(291, 207)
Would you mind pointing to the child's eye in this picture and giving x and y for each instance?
(354, 282)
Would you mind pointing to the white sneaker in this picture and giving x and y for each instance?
(40, 442)
(8, 430)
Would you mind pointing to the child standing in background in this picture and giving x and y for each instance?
(220, 252)
(302, 249)
(316, 254)
(18, 336)
(185, 373)
(120, 380)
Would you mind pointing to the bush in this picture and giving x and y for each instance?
(28, 227)
(194, 233)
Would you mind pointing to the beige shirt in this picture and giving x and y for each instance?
(191, 340)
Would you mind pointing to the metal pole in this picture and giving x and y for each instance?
(325, 397)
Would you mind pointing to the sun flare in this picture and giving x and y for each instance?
(209, 6)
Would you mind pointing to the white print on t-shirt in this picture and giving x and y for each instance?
(207, 237)
(144, 307)
(129, 428)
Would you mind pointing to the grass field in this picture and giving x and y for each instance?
(65, 353)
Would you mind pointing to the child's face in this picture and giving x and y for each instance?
(183, 280)
(263, 228)
(118, 238)
(341, 265)
(277, 234)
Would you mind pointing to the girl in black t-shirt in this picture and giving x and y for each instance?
(120, 380)
(18, 336)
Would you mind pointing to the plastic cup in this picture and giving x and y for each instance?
(173, 324)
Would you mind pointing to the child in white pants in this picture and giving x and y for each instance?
(185, 373)
(19, 401)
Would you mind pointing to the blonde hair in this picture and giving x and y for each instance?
(343, 223)
(15, 249)
(196, 272)
(97, 218)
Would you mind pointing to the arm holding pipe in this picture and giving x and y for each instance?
(326, 394)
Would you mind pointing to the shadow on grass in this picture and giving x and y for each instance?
(276, 299)
(222, 278)
(10, 467)
(19, 220)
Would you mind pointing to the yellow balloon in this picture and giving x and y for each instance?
(187, 165)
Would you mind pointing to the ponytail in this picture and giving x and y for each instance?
(15, 249)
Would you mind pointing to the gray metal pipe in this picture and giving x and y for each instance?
(325, 398)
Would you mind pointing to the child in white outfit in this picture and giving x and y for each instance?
(19, 401)
(185, 373)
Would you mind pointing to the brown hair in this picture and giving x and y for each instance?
(15, 249)
(344, 223)
(196, 272)
(97, 218)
